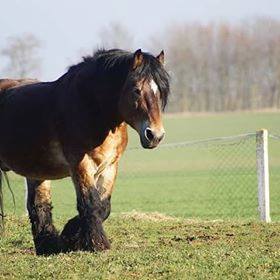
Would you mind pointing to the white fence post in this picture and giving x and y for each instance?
(263, 175)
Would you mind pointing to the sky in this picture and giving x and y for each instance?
(65, 27)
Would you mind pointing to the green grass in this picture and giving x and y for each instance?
(152, 249)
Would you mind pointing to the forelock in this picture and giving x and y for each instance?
(152, 69)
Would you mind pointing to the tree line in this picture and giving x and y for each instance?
(213, 67)
(224, 67)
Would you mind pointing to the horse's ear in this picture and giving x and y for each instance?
(160, 57)
(137, 59)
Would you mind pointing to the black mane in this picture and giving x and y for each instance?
(118, 65)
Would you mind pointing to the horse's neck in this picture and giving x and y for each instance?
(99, 97)
(107, 103)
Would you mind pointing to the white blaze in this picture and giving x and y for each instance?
(153, 86)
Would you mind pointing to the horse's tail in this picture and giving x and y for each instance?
(3, 175)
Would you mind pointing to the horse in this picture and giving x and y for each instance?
(77, 126)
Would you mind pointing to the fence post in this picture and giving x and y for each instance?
(263, 175)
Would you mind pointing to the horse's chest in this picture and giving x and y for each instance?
(112, 148)
(102, 156)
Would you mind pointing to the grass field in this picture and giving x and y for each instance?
(209, 182)
(201, 182)
(152, 247)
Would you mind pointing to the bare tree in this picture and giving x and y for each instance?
(222, 66)
(115, 35)
(21, 53)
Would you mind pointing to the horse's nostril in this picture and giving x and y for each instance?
(149, 134)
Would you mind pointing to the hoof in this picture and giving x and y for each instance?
(70, 236)
(47, 244)
(85, 235)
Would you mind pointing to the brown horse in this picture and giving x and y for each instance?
(77, 126)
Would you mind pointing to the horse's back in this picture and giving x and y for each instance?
(26, 107)
(27, 124)
(26, 96)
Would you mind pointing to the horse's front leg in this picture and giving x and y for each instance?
(86, 232)
(39, 207)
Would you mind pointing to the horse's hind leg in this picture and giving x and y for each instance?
(39, 207)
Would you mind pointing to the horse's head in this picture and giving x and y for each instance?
(144, 96)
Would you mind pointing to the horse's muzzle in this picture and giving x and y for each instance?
(150, 138)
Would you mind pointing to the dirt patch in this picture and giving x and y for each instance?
(158, 217)
(152, 216)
